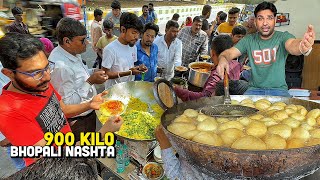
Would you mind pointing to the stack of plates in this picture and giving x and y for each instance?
(157, 154)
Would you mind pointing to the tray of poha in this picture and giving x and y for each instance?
(142, 113)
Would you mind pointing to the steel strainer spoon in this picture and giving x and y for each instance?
(227, 109)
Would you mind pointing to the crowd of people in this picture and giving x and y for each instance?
(51, 89)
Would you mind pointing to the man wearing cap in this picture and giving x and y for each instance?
(17, 25)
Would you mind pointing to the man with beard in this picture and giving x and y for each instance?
(71, 78)
(148, 52)
(194, 41)
(29, 105)
(17, 25)
(169, 49)
(145, 17)
(120, 55)
(267, 52)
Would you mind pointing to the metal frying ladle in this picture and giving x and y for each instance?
(226, 109)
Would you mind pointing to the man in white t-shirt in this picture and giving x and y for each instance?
(119, 56)
(169, 49)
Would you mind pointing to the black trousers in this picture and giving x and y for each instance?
(83, 124)
(236, 87)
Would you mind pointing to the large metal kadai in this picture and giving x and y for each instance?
(227, 163)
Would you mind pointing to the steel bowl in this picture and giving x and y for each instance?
(228, 163)
(198, 78)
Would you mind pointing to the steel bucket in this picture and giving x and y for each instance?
(197, 78)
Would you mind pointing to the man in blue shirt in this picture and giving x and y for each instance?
(145, 18)
(148, 52)
(152, 13)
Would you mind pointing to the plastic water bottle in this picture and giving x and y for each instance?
(126, 155)
(118, 145)
(120, 161)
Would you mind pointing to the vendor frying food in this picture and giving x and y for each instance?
(267, 51)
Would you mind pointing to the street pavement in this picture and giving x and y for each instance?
(6, 166)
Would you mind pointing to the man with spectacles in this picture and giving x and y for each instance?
(71, 77)
(29, 105)
(267, 52)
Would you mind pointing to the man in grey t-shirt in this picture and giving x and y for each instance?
(114, 16)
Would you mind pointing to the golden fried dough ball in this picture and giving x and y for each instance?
(244, 121)
(275, 107)
(270, 112)
(183, 118)
(290, 111)
(300, 133)
(266, 101)
(318, 121)
(180, 128)
(292, 106)
(311, 121)
(235, 102)
(256, 116)
(282, 130)
(274, 141)
(279, 104)
(257, 129)
(314, 113)
(249, 143)
(295, 143)
(266, 119)
(315, 133)
(208, 138)
(207, 125)
(302, 110)
(261, 105)
(230, 124)
(230, 135)
(270, 123)
(297, 116)
(246, 101)
(279, 115)
(248, 105)
(291, 122)
(306, 126)
(191, 113)
(190, 134)
(222, 120)
(313, 142)
(202, 117)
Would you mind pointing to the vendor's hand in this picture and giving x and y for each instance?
(113, 124)
(143, 68)
(4, 142)
(98, 77)
(162, 138)
(308, 39)
(97, 100)
(223, 65)
(135, 70)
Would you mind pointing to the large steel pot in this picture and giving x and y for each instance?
(227, 163)
(198, 78)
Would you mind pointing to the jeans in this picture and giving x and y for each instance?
(268, 92)
(236, 87)
(18, 162)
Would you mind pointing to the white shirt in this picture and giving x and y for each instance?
(170, 57)
(69, 78)
(3, 81)
(118, 58)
